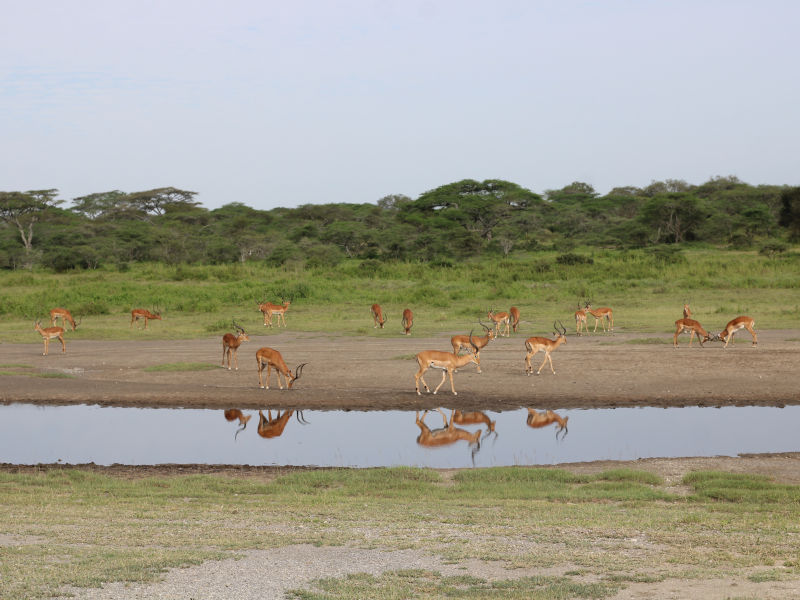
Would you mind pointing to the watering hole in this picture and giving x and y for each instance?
(76, 434)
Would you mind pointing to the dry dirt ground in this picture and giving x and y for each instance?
(377, 372)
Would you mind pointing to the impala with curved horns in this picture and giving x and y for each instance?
(500, 320)
(735, 325)
(447, 362)
(448, 434)
(538, 344)
(269, 358)
(514, 314)
(693, 327)
(65, 316)
(377, 316)
(272, 428)
(542, 419)
(269, 309)
(580, 320)
(142, 313)
(48, 333)
(463, 341)
(604, 315)
(231, 343)
(408, 321)
(232, 414)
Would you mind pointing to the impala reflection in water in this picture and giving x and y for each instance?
(446, 435)
(543, 419)
(271, 428)
(234, 413)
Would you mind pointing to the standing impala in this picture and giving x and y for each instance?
(269, 358)
(231, 343)
(500, 320)
(693, 327)
(141, 313)
(580, 320)
(687, 313)
(542, 419)
(270, 309)
(271, 428)
(447, 361)
(463, 341)
(514, 313)
(377, 316)
(604, 315)
(48, 333)
(408, 321)
(735, 325)
(537, 344)
(65, 316)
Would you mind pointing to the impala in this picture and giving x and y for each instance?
(475, 417)
(377, 316)
(234, 413)
(270, 428)
(693, 327)
(448, 434)
(65, 316)
(270, 309)
(601, 314)
(463, 341)
(142, 313)
(514, 313)
(231, 343)
(48, 333)
(500, 319)
(408, 321)
(686, 312)
(735, 325)
(580, 320)
(447, 361)
(537, 344)
(269, 358)
(542, 419)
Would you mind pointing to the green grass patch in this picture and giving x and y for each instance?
(180, 366)
(15, 366)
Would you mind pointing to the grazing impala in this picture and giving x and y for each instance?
(500, 320)
(537, 344)
(232, 414)
(542, 419)
(692, 326)
(448, 434)
(65, 316)
(231, 343)
(408, 321)
(269, 358)
(447, 361)
(580, 320)
(141, 313)
(735, 325)
(270, 309)
(604, 315)
(514, 313)
(377, 316)
(271, 428)
(463, 341)
(48, 333)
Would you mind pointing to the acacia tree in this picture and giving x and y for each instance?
(23, 210)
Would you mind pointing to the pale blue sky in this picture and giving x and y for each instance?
(287, 103)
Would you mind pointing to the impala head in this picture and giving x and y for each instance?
(242, 334)
(489, 331)
(560, 331)
(296, 375)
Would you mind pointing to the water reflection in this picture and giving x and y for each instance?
(543, 419)
(272, 428)
(82, 434)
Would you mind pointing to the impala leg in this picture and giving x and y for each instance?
(63, 343)
(444, 376)
(235, 360)
(691, 337)
(444, 418)
(753, 333)
(478, 356)
(46, 344)
(675, 338)
(418, 377)
(260, 371)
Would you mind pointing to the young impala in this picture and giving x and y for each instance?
(735, 325)
(463, 341)
(538, 344)
(141, 313)
(500, 320)
(269, 358)
(231, 343)
(580, 320)
(48, 333)
(687, 313)
(408, 321)
(65, 316)
(693, 327)
(604, 315)
(377, 316)
(447, 362)
(270, 309)
(542, 419)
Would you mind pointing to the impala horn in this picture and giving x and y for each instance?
(300, 418)
(474, 347)
(297, 372)
(488, 329)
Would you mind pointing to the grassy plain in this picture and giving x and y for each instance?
(602, 531)
(646, 291)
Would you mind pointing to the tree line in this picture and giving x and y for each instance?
(456, 220)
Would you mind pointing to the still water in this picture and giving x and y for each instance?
(81, 434)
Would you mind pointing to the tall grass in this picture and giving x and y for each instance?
(645, 290)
